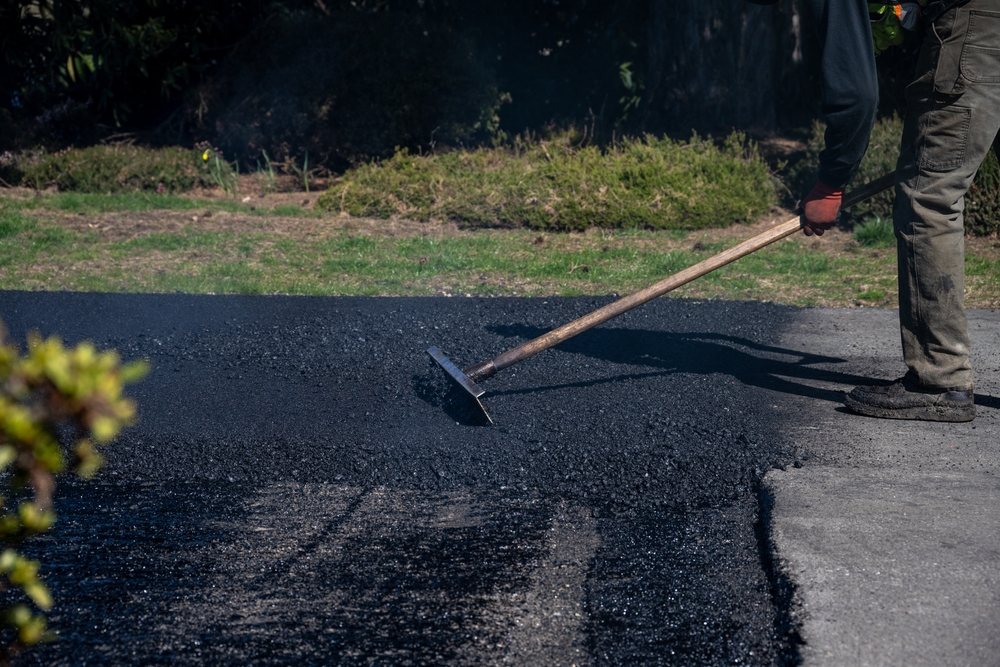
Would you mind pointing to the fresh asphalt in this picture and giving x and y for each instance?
(306, 487)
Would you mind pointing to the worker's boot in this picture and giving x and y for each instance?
(903, 400)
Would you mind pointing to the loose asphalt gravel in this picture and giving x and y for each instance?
(305, 486)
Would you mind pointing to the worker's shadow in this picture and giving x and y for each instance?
(766, 366)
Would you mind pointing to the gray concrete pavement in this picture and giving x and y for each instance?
(890, 530)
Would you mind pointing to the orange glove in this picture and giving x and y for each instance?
(820, 209)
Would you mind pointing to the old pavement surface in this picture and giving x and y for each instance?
(889, 529)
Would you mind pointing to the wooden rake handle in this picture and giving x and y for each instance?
(487, 368)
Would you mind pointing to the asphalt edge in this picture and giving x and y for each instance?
(783, 591)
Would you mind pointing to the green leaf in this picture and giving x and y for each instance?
(33, 631)
(39, 594)
(8, 559)
(8, 455)
(134, 371)
(19, 615)
(626, 75)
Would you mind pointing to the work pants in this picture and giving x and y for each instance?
(952, 119)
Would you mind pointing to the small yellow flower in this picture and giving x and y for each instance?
(204, 156)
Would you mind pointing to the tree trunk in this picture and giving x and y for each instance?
(715, 65)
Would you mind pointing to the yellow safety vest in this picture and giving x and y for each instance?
(889, 19)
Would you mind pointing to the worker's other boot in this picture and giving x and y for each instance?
(903, 400)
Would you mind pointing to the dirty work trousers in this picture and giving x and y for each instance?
(952, 119)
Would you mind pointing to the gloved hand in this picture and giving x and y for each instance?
(820, 208)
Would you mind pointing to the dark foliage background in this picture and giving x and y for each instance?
(82, 70)
(348, 80)
(344, 87)
(343, 79)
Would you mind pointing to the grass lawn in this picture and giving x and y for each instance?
(218, 245)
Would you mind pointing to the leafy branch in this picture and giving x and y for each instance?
(54, 401)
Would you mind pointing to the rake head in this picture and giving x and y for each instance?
(463, 380)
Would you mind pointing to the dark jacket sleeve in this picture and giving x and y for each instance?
(849, 85)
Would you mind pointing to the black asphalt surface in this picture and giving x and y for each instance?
(280, 501)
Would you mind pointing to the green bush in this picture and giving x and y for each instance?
(649, 183)
(982, 204)
(114, 168)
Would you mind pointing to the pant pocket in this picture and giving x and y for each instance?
(943, 136)
(981, 51)
(950, 31)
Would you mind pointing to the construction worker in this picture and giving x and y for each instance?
(952, 118)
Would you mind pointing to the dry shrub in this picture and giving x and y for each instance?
(113, 168)
(650, 183)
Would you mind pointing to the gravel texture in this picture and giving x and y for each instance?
(306, 486)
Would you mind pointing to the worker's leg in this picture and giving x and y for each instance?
(953, 114)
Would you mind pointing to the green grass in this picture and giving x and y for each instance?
(85, 204)
(170, 241)
(13, 224)
(490, 262)
(43, 246)
(289, 211)
(872, 295)
(89, 204)
(126, 202)
(876, 232)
